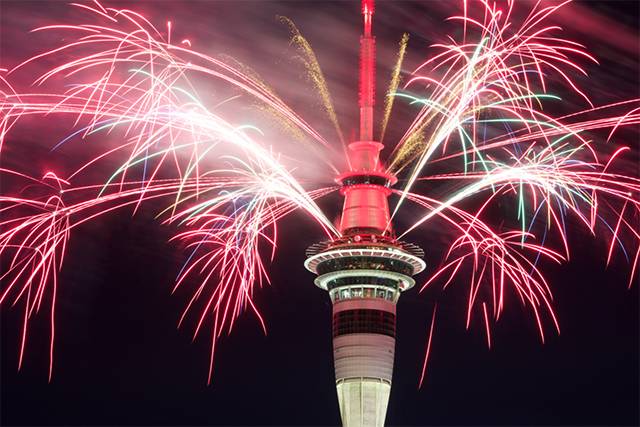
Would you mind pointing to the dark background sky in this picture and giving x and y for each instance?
(120, 360)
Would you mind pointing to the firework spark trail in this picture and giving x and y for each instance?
(557, 183)
(157, 115)
(143, 71)
(495, 68)
(268, 198)
(508, 260)
(285, 124)
(163, 112)
(166, 126)
(10, 112)
(38, 254)
(549, 182)
(428, 350)
(310, 62)
(394, 82)
(38, 240)
(547, 165)
(481, 247)
(226, 191)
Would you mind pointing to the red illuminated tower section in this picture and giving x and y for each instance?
(366, 269)
(366, 186)
(367, 73)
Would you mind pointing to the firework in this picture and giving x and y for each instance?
(480, 114)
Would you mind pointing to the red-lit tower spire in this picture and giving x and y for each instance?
(367, 73)
(366, 185)
(366, 269)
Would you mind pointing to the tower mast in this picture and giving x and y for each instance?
(367, 72)
(366, 269)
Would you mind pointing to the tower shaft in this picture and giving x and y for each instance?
(364, 275)
(363, 354)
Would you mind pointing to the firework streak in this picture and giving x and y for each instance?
(225, 188)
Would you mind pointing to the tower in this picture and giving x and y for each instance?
(366, 269)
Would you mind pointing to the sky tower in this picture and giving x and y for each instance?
(366, 269)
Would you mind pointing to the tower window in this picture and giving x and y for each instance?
(364, 321)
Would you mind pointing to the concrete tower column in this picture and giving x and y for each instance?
(364, 275)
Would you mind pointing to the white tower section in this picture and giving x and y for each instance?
(364, 281)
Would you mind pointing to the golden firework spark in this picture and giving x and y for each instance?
(314, 72)
(393, 84)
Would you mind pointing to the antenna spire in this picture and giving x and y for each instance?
(367, 73)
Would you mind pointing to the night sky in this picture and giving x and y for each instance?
(121, 361)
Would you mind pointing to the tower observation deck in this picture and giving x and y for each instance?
(365, 270)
